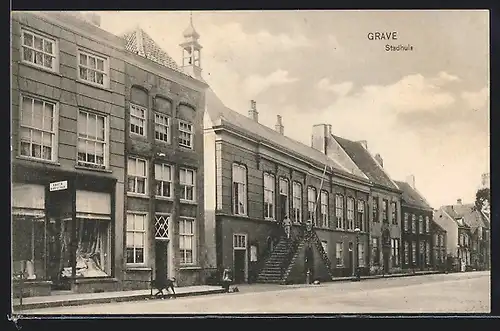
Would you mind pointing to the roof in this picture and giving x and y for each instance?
(412, 197)
(438, 225)
(222, 115)
(468, 212)
(139, 42)
(366, 162)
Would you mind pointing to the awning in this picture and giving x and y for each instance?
(37, 213)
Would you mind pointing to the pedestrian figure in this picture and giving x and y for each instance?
(226, 279)
(287, 224)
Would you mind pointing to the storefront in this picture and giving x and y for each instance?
(62, 233)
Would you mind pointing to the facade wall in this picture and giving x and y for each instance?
(147, 88)
(61, 86)
(422, 259)
(451, 228)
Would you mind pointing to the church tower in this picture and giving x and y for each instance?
(191, 51)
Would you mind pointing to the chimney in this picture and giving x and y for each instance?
(364, 143)
(379, 160)
(320, 135)
(252, 112)
(459, 201)
(411, 181)
(93, 18)
(279, 125)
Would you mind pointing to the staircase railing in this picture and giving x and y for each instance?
(296, 235)
(314, 237)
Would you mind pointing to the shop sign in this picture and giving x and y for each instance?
(59, 186)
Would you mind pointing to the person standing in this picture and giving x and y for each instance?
(287, 224)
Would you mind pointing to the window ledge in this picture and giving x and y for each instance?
(132, 268)
(93, 169)
(188, 202)
(162, 142)
(137, 195)
(27, 158)
(159, 197)
(84, 82)
(194, 267)
(190, 149)
(31, 65)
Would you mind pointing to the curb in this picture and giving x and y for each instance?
(82, 302)
(386, 276)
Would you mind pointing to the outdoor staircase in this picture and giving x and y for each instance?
(272, 271)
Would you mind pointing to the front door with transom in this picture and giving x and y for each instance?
(240, 258)
(162, 251)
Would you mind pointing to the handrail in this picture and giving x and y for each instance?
(317, 241)
(296, 234)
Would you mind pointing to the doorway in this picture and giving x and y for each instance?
(387, 252)
(161, 259)
(240, 258)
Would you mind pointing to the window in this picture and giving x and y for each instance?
(339, 211)
(339, 254)
(92, 140)
(186, 133)
(283, 198)
(414, 252)
(239, 241)
(297, 202)
(375, 251)
(407, 252)
(187, 184)
(420, 224)
(161, 226)
(137, 175)
(361, 215)
(422, 252)
(38, 129)
(436, 240)
(311, 205)
(136, 237)
(427, 224)
(413, 223)
(394, 211)
(239, 189)
(324, 209)
(361, 255)
(138, 120)
(186, 240)
(164, 183)
(39, 50)
(375, 209)
(162, 128)
(428, 252)
(384, 211)
(93, 68)
(406, 223)
(268, 196)
(28, 244)
(395, 251)
(93, 258)
(350, 213)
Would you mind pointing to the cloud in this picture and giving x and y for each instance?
(444, 76)
(478, 99)
(341, 89)
(255, 84)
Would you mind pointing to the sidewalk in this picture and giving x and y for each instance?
(77, 299)
(408, 274)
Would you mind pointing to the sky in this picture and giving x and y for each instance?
(425, 111)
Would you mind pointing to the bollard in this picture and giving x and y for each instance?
(308, 277)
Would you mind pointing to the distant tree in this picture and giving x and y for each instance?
(483, 200)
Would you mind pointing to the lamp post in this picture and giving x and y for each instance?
(357, 274)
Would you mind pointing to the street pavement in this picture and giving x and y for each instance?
(441, 293)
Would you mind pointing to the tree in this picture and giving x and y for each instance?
(483, 200)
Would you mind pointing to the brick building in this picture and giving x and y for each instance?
(439, 246)
(259, 176)
(384, 207)
(68, 96)
(417, 235)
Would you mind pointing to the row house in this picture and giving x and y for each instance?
(258, 178)
(384, 208)
(416, 228)
(68, 122)
(439, 247)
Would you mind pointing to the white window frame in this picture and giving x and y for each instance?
(375, 209)
(427, 252)
(44, 37)
(168, 219)
(406, 222)
(361, 254)
(385, 211)
(136, 176)
(184, 185)
(420, 224)
(394, 212)
(413, 223)
(55, 127)
(297, 201)
(376, 248)
(339, 211)
(93, 165)
(311, 205)
(339, 254)
(395, 251)
(361, 215)
(350, 213)
(144, 120)
(166, 125)
(414, 252)
(162, 181)
(239, 189)
(193, 242)
(269, 204)
(104, 71)
(427, 224)
(237, 241)
(324, 209)
(421, 249)
(143, 231)
(286, 183)
(189, 132)
(407, 252)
